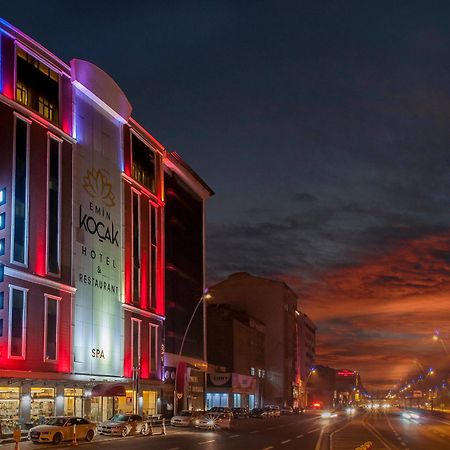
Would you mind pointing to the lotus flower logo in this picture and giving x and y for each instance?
(96, 184)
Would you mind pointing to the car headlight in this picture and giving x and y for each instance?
(326, 415)
(210, 422)
(406, 415)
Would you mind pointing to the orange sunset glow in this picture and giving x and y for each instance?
(379, 316)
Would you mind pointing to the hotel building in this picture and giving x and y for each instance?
(82, 242)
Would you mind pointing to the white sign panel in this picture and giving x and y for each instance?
(97, 224)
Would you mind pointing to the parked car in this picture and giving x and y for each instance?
(186, 418)
(299, 410)
(219, 409)
(58, 429)
(123, 425)
(273, 410)
(214, 421)
(239, 413)
(286, 410)
(259, 413)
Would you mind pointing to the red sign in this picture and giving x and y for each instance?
(346, 373)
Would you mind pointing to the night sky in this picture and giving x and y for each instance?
(324, 129)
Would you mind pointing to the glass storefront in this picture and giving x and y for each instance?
(124, 404)
(216, 399)
(9, 407)
(237, 400)
(251, 401)
(73, 402)
(149, 399)
(42, 403)
(102, 408)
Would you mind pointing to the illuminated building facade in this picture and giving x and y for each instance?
(82, 241)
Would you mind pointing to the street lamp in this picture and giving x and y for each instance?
(437, 337)
(176, 394)
(305, 391)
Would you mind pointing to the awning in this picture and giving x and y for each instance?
(108, 390)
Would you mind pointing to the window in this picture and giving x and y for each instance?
(51, 327)
(252, 371)
(2, 221)
(54, 207)
(37, 86)
(1, 327)
(2, 196)
(20, 191)
(153, 345)
(153, 255)
(136, 245)
(2, 300)
(17, 321)
(136, 342)
(143, 163)
(2, 247)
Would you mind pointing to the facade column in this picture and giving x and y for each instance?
(59, 400)
(87, 407)
(25, 403)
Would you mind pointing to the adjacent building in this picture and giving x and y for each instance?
(306, 351)
(274, 304)
(87, 197)
(330, 387)
(185, 197)
(236, 357)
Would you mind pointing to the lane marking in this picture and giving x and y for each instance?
(253, 432)
(313, 431)
(299, 436)
(319, 441)
(286, 441)
(174, 448)
(206, 442)
(271, 428)
(234, 436)
(267, 448)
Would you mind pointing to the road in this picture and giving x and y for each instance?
(386, 430)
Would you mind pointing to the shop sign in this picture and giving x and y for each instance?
(219, 379)
(244, 382)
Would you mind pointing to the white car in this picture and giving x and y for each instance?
(123, 425)
(214, 421)
(58, 429)
(186, 418)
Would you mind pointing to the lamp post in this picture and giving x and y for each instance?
(305, 392)
(176, 394)
(437, 337)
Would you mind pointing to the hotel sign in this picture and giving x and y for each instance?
(97, 248)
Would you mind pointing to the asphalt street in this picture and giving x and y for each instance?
(386, 430)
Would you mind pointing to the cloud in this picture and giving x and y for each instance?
(383, 309)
